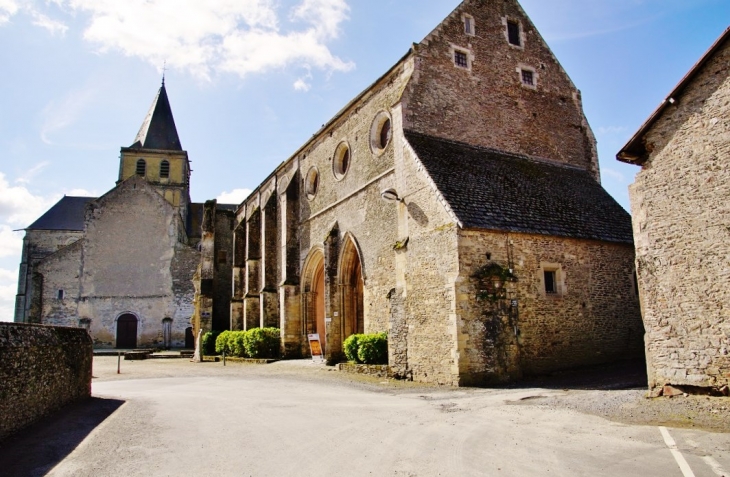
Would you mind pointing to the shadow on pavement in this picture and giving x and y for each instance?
(622, 375)
(35, 450)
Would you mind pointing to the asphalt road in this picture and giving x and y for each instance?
(180, 419)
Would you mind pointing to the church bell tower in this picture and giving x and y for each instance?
(157, 156)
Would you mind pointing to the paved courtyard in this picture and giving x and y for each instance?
(173, 417)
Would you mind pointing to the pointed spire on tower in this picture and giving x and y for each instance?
(158, 130)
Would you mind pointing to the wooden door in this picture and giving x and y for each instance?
(127, 332)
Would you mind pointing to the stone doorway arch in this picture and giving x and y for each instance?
(314, 296)
(127, 331)
(351, 283)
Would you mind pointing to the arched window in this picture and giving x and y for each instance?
(164, 169)
(141, 167)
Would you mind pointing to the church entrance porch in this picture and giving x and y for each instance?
(127, 331)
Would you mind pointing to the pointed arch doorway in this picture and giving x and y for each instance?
(314, 284)
(352, 289)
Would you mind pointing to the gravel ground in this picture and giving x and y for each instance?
(617, 393)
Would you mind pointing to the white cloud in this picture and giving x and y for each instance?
(237, 36)
(18, 206)
(57, 115)
(8, 8)
(11, 243)
(8, 289)
(303, 83)
(53, 26)
(613, 174)
(235, 196)
(32, 172)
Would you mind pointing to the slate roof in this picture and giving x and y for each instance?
(66, 214)
(158, 130)
(489, 189)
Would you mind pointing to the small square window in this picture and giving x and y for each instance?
(513, 33)
(528, 78)
(461, 59)
(551, 287)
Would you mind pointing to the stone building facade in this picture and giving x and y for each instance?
(681, 219)
(121, 265)
(455, 204)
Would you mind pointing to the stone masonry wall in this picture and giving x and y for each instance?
(43, 369)
(681, 216)
(353, 203)
(60, 272)
(132, 235)
(594, 318)
(37, 245)
(486, 103)
(426, 271)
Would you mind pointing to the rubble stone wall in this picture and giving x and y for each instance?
(593, 318)
(43, 369)
(681, 216)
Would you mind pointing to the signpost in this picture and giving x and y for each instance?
(315, 346)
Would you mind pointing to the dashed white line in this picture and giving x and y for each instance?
(715, 465)
(683, 465)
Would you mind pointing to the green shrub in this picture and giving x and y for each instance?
(351, 345)
(373, 349)
(208, 342)
(236, 343)
(221, 343)
(262, 342)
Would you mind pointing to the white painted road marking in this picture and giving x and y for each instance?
(683, 465)
(715, 465)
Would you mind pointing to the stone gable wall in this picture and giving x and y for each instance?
(681, 216)
(43, 369)
(487, 104)
(594, 318)
(130, 245)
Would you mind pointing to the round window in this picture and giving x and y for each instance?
(341, 160)
(311, 183)
(381, 132)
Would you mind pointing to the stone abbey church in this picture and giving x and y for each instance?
(455, 203)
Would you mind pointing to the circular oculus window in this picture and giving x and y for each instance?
(341, 160)
(311, 183)
(380, 132)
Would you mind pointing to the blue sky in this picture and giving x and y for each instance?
(250, 80)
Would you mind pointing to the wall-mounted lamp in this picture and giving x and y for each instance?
(390, 195)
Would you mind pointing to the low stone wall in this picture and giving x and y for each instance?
(42, 368)
(377, 370)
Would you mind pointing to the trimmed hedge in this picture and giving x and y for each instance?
(367, 348)
(208, 342)
(254, 343)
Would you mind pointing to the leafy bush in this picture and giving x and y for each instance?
(221, 343)
(262, 342)
(208, 342)
(350, 345)
(373, 349)
(236, 343)
(367, 349)
(254, 343)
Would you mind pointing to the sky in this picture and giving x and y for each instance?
(250, 81)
